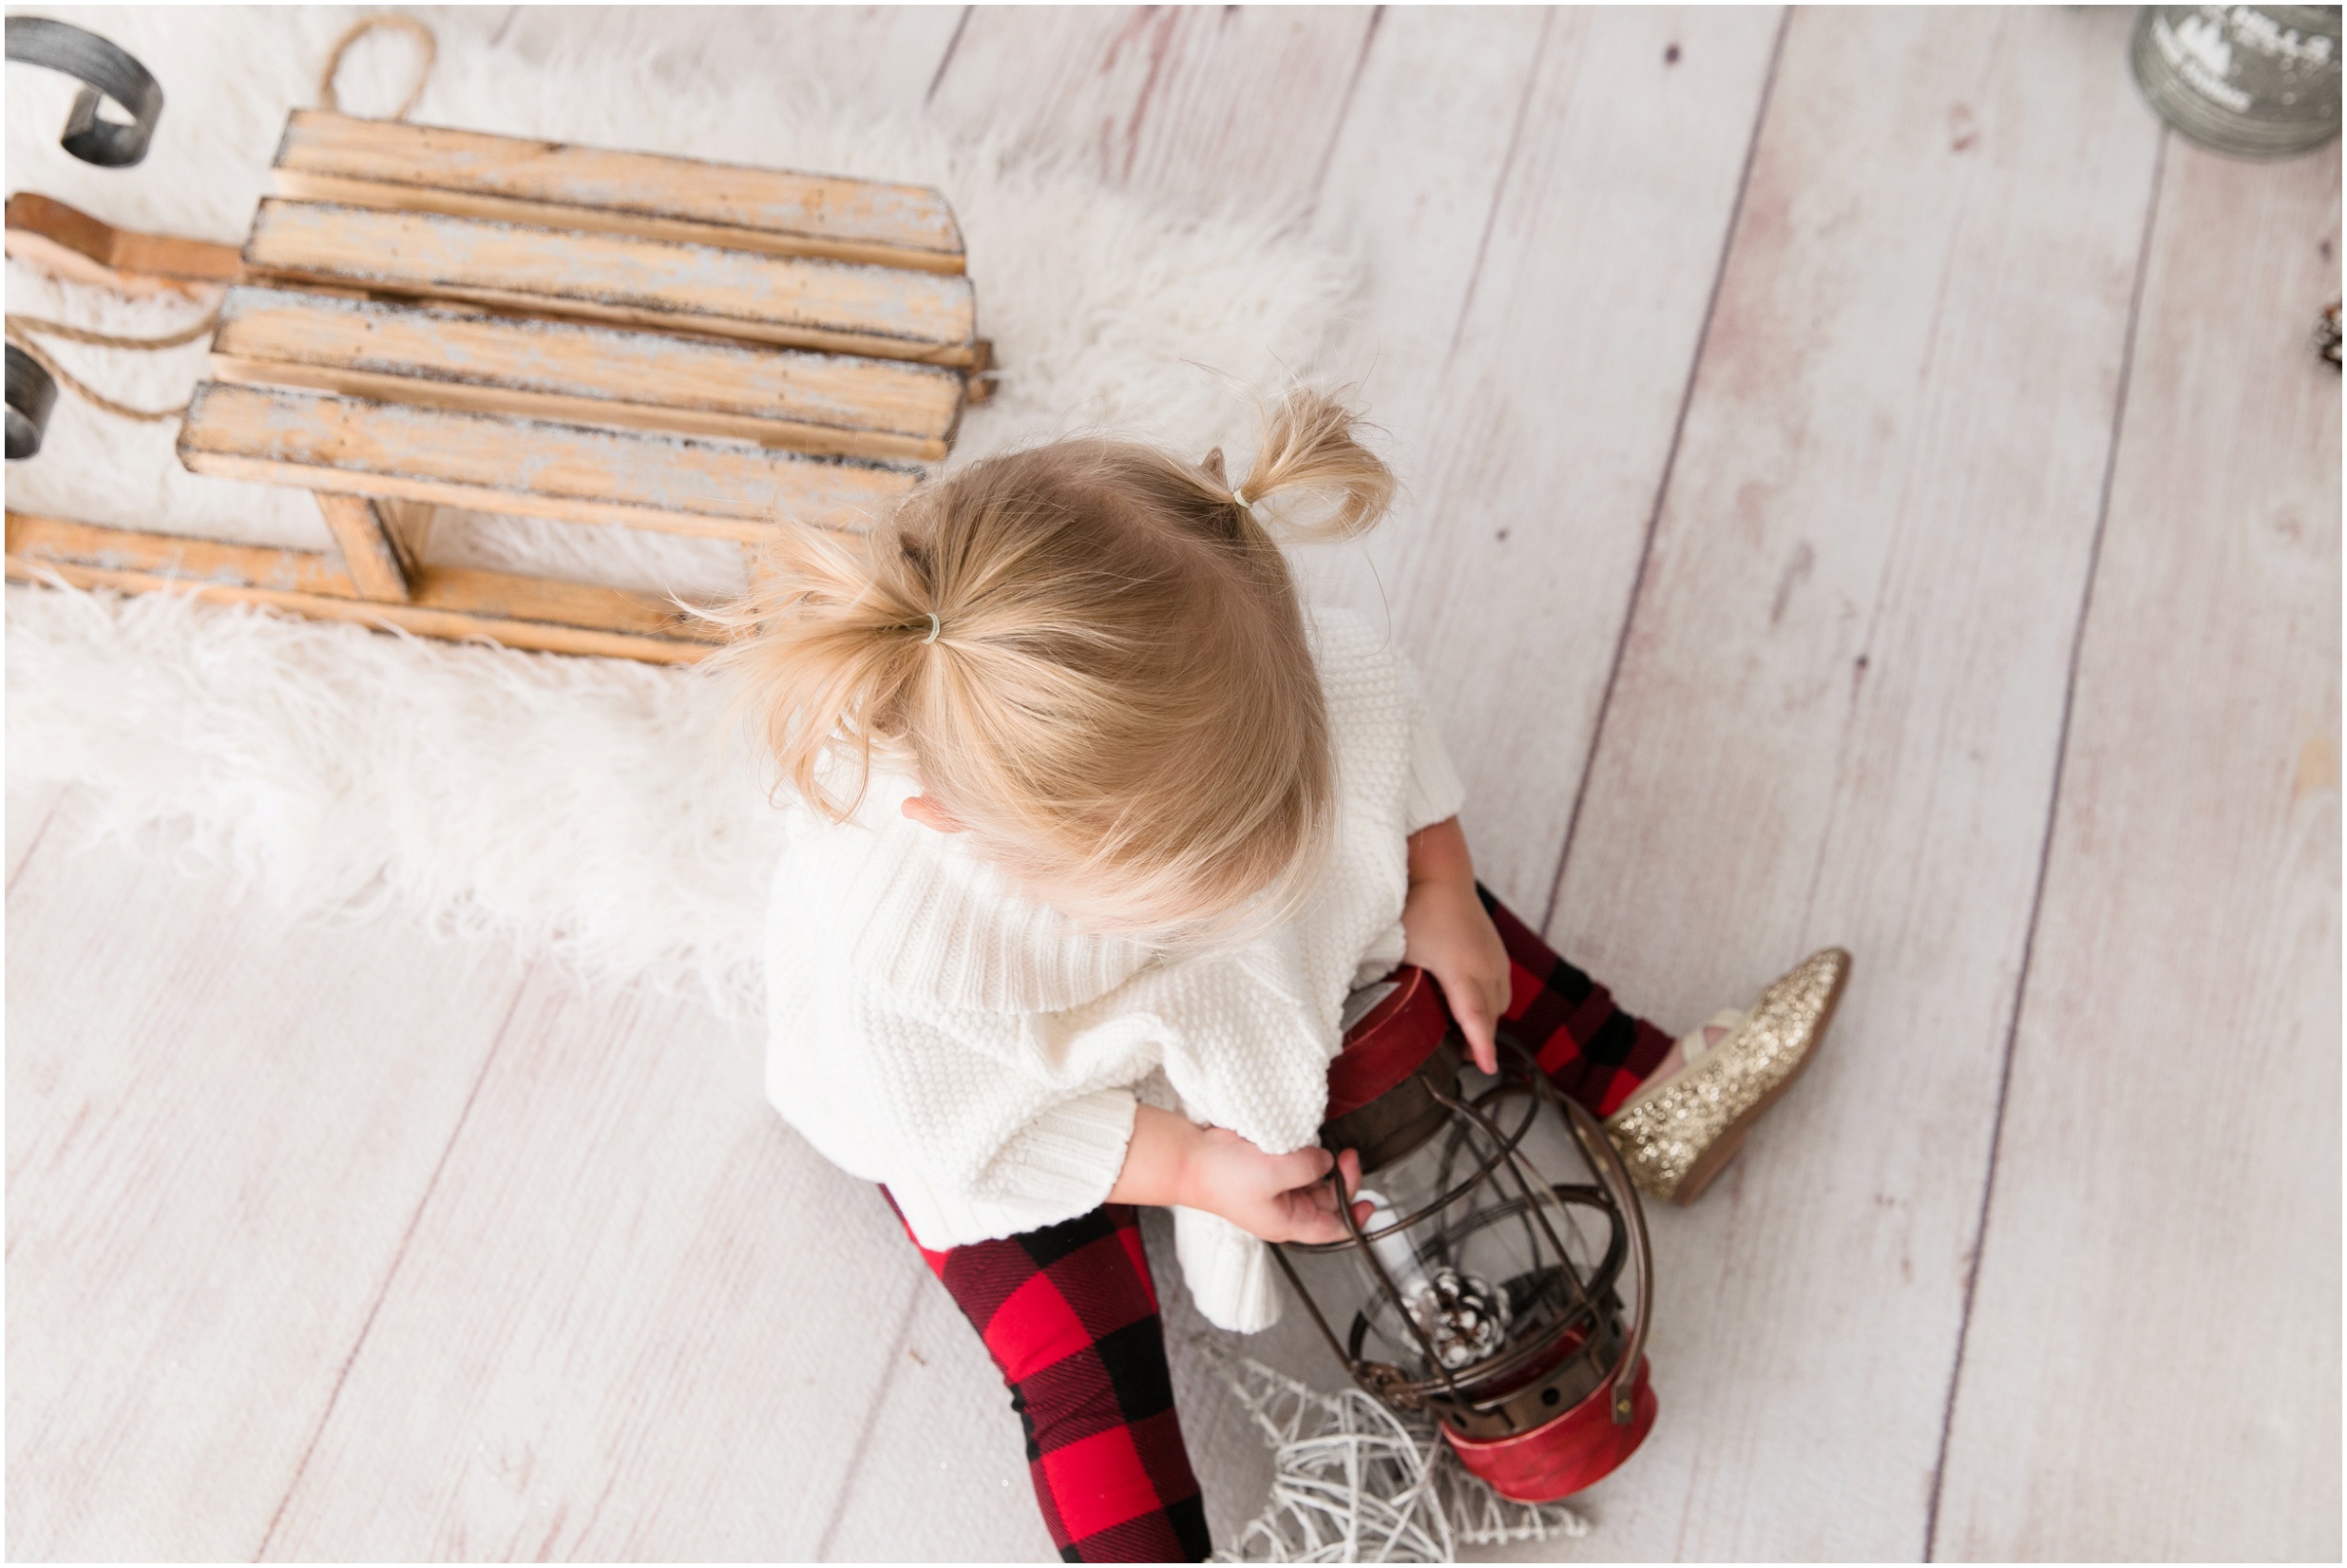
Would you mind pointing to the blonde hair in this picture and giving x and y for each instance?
(1093, 657)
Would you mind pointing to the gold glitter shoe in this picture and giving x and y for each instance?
(1677, 1134)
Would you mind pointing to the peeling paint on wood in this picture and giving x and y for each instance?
(532, 467)
(45, 541)
(913, 217)
(887, 311)
(772, 392)
(448, 602)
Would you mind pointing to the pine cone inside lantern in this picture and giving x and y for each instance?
(1465, 1316)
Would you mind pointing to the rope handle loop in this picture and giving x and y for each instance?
(425, 39)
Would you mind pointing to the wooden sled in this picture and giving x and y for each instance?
(424, 317)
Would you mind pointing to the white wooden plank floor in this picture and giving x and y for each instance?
(1865, 483)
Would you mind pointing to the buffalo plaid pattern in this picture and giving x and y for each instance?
(1070, 1314)
(1590, 1048)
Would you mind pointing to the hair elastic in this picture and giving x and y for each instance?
(1239, 497)
(935, 627)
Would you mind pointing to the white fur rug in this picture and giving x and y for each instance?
(587, 810)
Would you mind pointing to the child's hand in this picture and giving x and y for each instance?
(1279, 1198)
(1447, 934)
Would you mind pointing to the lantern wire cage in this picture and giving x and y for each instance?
(1354, 1481)
(1567, 1335)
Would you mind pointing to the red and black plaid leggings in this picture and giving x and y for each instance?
(1070, 1312)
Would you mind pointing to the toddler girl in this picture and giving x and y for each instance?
(1099, 830)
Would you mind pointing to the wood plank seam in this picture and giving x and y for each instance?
(1345, 110)
(894, 1363)
(1500, 189)
(2045, 851)
(1670, 468)
(937, 77)
(31, 849)
(390, 1273)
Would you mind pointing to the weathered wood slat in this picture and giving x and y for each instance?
(775, 210)
(564, 369)
(453, 602)
(389, 197)
(800, 302)
(417, 615)
(2152, 1367)
(369, 554)
(34, 542)
(816, 440)
(530, 468)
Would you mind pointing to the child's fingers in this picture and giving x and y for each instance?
(1303, 1168)
(1479, 1021)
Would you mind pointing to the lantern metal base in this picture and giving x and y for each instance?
(1575, 1450)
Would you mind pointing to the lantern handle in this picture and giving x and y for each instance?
(1616, 1176)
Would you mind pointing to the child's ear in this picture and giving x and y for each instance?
(1211, 462)
(930, 815)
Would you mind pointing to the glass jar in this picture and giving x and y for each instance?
(2247, 81)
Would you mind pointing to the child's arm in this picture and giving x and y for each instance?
(1449, 935)
(1279, 1198)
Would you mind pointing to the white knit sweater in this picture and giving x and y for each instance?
(934, 1029)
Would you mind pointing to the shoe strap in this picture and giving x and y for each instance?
(1693, 1047)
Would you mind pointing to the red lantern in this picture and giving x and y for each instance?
(1486, 1286)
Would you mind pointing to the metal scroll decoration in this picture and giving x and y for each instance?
(31, 394)
(104, 72)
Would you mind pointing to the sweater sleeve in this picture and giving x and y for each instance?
(993, 1140)
(1241, 1047)
(1059, 1165)
(1433, 793)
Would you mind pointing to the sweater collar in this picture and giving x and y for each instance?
(952, 930)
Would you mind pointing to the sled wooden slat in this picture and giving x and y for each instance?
(34, 541)
(448, 602)
(802, 302)
(570, 371)
(383, 164)
(523, 467)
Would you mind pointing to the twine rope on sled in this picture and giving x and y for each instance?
(22, 328)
